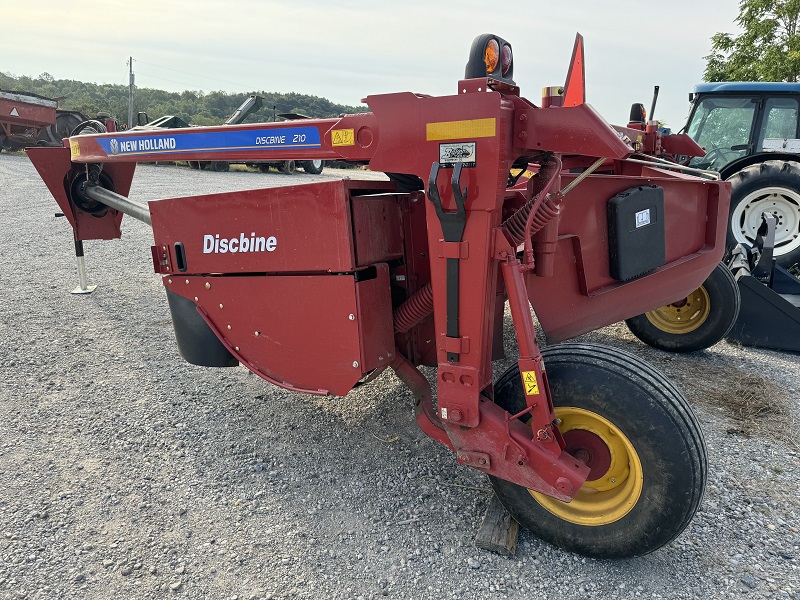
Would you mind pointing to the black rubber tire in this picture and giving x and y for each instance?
(724, 302)
(287, 167)
(313, 167)
(220, 166)
(65, 123)
(771, 173)
(655, 417)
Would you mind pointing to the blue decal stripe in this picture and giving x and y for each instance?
(228, 149)
(170, 143)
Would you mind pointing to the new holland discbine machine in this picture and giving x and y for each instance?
(320, 287)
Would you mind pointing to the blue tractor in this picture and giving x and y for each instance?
(751, 135)
(750, 132)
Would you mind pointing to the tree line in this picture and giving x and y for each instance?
(193, 106)
(766, 48)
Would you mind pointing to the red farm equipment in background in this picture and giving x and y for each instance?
(23, 118)
(320, 287)
(28, 119)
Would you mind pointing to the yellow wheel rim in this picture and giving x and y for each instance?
(615, 488)
(684, 316)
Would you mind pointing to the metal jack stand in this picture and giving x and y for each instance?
(83, 286)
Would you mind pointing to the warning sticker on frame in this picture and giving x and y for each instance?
(343, 137)
(530, 383)
(461, 152)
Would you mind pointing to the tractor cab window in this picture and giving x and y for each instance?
(722, 125)
(779, 122)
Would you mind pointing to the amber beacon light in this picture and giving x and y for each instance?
(490, 56)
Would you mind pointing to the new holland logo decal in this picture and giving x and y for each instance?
(461, 152)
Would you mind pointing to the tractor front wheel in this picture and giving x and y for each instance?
(696, 322)
(636, 432)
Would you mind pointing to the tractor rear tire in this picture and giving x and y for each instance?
(65, 123)
(636, 431)
(696, 322)
(770, 186)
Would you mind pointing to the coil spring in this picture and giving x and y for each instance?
(414, 310)
(515, 224)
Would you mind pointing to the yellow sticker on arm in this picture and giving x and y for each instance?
(74, 149)
(530, 383)
(343, 137)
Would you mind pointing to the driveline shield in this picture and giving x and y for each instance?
(636, 239)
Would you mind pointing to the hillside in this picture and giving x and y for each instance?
(195, 107)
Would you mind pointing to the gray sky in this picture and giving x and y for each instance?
(346, 50)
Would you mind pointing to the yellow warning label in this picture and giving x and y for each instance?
(460, 130)
(74, 149)
(343, 137)
(520, 174)
(530, 383)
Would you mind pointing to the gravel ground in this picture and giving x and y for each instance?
(127, 473)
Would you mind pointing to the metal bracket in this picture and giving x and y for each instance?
(479, 460)
(764, 244)
(452, 230)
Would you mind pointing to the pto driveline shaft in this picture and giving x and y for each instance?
(124, 205)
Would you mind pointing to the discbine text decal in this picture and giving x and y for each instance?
(213, 244)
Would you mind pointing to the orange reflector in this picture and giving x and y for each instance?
(491, 55)
(461, 130)
(575, 88)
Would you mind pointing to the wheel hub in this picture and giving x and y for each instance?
(590, 449)
(616, 478)
(683, 316)
(783, 203)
